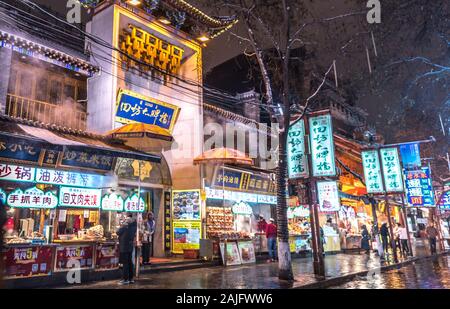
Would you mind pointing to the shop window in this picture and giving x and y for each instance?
(26, 83)
(41, 89)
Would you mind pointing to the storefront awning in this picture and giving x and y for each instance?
(55, 138)
(140, 130)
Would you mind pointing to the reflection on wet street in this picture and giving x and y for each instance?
(432, 273)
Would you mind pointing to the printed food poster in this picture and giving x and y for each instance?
(233, 255)
(186, 235)
(186, 205)
(247, 252)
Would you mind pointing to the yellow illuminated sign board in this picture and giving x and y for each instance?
(150, 50)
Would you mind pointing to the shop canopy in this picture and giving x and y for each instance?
(52, 137)
(140, 130)
(224, 156)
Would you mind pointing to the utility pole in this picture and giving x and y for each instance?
(319, 263)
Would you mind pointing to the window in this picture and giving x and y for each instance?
(69, 92)
(12, 82)
(26, 83)
(55, 91)
(41, 89)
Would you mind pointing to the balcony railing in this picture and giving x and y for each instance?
(66, 115)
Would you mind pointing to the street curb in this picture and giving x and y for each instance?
(345, 278)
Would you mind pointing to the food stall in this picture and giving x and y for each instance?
(233, 216)
(299, 225)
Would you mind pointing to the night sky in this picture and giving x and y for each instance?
(415, 31)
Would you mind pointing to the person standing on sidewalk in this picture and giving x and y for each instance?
(271, 234)
(384, 232)
(403, 235)
(147, 239)
(432, 234)
(365, 245)
(127, 234)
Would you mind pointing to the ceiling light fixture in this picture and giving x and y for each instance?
(164, 21)
(203, 38)
(134, 2)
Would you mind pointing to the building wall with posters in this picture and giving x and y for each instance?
(182, 89)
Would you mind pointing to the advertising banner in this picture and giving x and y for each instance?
(328, 196)
(27, 261)
(186, 235)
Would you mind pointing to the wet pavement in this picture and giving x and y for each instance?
(432, 273)
(265, 275)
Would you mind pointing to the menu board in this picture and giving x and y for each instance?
(233, 254)
(82, 253)
(107, 256)
(28, 261)
(186, 205)
(247, 252)
(328, 196)
(186, 235)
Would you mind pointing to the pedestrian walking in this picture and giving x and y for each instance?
(385, 236)
(271, 234)
(365, 245)
(432, 234)
(397, 237)
(147, 238)
(403, 236)
(127, 234)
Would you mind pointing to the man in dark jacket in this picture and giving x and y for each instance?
(384, 233)
(127, 233)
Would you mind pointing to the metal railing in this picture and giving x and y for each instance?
(63, 115)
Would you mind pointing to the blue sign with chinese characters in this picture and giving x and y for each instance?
(22, 150)
(132, 107)
(88, 160)
(444, 201)
(227, 178)
(419, 189)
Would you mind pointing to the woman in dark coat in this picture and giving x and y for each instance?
(127, 233)
(365, 239)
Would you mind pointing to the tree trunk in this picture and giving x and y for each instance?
(284, 253)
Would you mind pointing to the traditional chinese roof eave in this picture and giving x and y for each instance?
(11, 37)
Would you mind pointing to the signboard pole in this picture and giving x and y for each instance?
(139, 222)
(319, 265)
(405, 215)
(223, 210)
(386, 199)
(391, 230)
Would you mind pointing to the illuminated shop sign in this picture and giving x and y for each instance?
(17, 173)
(297, 160)
(372, 171)
(133, 107)
(112, 202)
(150, 50)
(242, 181)
(322, 147)
(419, 189)
(54, 177)
(328, 196)
(80, 197)
(132, 205)
(234, 196)
(392, 170)
(32, 198)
